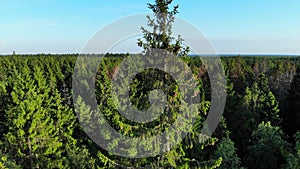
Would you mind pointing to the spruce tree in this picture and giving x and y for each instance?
(258, 105)
(270, 105)
(40, 127)
(291, 107)
(160, 37)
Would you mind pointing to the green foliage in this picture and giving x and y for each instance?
(258, 105)
(291, 113)
(7, 163)
(227, 152)
(293, 159)
(268, 148)
(39, 128)
(261, 102)
(160, 37)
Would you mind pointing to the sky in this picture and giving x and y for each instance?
(232, 26)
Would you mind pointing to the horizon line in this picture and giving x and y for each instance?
(192, 54)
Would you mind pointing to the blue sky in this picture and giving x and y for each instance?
(240, 27)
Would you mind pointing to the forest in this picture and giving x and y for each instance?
(40, 129)
(40, 126)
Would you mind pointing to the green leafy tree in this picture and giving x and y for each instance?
(227, 151)
(268, 149)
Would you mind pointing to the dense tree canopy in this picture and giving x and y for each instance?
(39, 127)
